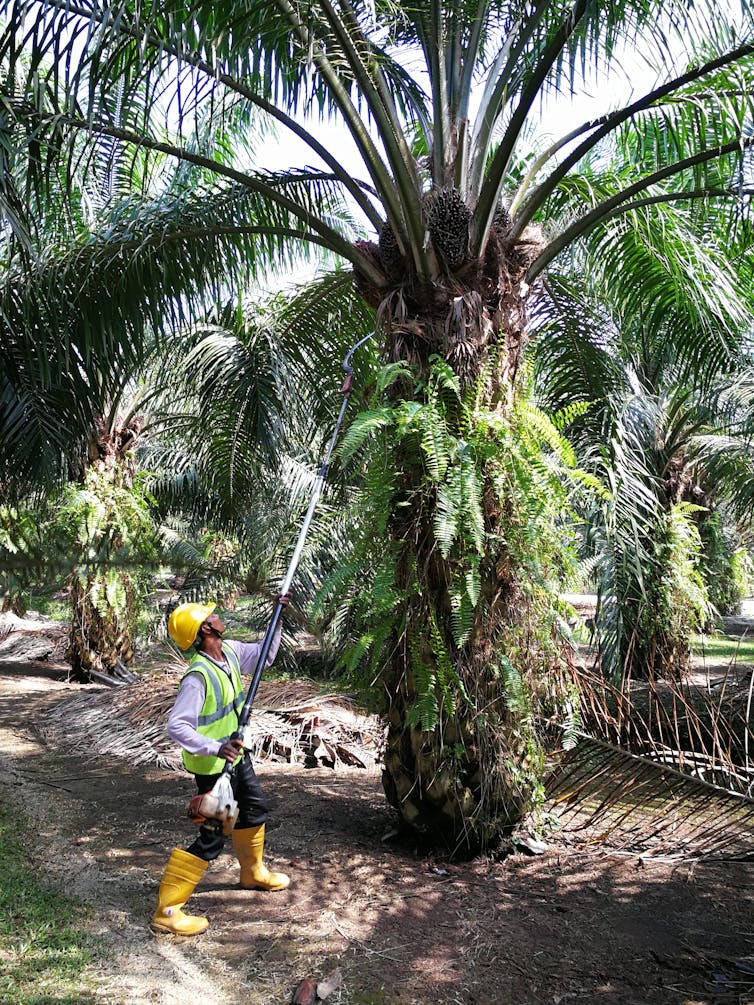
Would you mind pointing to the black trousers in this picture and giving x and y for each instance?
(252, 808)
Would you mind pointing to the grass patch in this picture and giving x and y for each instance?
(723, 648)
(44, 942)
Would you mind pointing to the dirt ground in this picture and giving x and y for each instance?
(570, 925)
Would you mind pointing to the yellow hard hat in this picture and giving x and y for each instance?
(185, 621)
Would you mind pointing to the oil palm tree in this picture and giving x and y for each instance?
(669, 439)
(462, 217)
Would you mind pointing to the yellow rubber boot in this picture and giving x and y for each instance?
(248, 847)
(181, 875)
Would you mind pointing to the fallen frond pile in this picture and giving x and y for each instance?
(291, 721)
(602, 794)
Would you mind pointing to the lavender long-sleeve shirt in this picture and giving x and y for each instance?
(184, 717)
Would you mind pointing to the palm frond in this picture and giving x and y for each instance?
(604, 795)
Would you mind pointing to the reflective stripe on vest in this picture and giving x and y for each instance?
(218, 716)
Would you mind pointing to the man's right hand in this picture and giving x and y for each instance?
(230, 750)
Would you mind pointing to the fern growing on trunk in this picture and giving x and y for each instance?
(456, 557)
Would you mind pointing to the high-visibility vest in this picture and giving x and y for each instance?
(219, 715)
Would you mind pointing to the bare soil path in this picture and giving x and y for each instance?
(571, 925)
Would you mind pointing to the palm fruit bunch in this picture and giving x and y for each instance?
(391, 258)
(502, 220)
(448, 219)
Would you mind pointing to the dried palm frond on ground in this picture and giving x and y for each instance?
(660, 768)
(655, 804)
(31, 638)
(601, 794)
(700, 728)
(291, 721)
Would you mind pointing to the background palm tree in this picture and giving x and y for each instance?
(249, 410)
(662, 426)
(464, 216)
(104, 350)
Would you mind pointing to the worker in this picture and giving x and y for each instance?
(202, 721)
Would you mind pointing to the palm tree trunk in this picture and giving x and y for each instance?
(102, 608)
(465, 777)
(104, 599)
